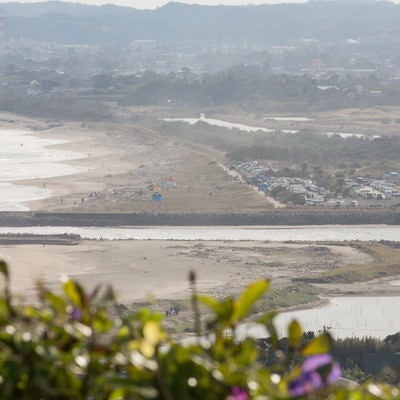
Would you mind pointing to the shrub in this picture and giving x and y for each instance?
(78, 345)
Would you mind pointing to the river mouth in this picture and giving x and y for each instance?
(334, 233)
(148, 264)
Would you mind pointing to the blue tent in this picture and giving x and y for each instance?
(157, 197)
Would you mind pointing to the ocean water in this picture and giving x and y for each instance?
(24, 157)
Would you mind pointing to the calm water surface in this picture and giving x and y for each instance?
(249, 128)
(343, 317)
(275, 234)
(225, 124)
(289, 119)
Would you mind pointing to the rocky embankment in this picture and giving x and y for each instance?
(62, 240)
(275, 217)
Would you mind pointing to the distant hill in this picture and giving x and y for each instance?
(326, 21)
(59, 7)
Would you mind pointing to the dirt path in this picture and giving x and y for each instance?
(236, 176)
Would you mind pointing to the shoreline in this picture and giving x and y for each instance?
(110, 191)
(155, 272)
(69, 158)
(96, 156)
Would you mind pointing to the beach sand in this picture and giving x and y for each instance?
(113, 181)
(142, 269)
(137, 269)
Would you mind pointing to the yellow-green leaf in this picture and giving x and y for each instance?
(152, 333)
(247, 299)
(319, 345)
(73, 292)
(57, 302)
(295, 334)
(210, 302)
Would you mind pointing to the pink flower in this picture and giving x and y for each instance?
(237, 393)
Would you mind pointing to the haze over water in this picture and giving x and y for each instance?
(24, 157)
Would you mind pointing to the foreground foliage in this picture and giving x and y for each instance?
(80, 345)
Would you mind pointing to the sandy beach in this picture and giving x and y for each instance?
(142, 269)
(111, 177)
(111, 180)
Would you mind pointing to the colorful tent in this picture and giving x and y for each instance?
(157, 197)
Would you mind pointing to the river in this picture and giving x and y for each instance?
(249, 128)
(343, 317)
(261, 233)
(229, 125)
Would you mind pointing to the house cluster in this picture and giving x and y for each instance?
(311, 193)
(264, 178)
(376, 189)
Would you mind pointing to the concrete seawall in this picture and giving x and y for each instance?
(276, 217)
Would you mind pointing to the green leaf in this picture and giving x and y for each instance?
(117, 394)
(295, 334)
(247, 299)
(57, 302)
(268, 321)
(319, 345)
(211, 303)
(4, 309)
(223, 311)
(4, 269)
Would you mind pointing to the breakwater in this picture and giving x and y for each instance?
(290, 217)
(60, 240)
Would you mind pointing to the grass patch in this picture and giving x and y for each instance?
(161, 305)
(354, 274)
(289, 296)
(386, 262)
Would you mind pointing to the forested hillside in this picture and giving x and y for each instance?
(180, 23)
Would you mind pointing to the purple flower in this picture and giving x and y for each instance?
(316, 372)
(305, 383)
(76, 313)
(237, 393)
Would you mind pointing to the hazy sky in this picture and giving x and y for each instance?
(157, 3)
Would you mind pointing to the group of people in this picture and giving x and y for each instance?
(173, 310)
